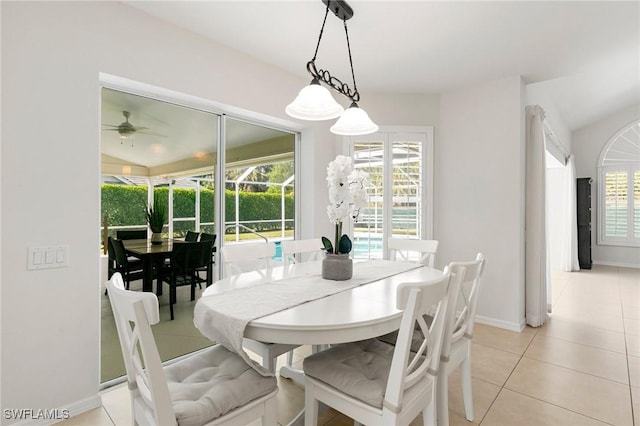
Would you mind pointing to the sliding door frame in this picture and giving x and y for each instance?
(223, 112)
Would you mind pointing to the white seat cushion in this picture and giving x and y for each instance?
(359, 369)
(211, 383)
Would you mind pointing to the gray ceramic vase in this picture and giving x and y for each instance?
(337, 267)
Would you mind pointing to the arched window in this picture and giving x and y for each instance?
(619, 189)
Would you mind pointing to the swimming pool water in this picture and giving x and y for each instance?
(361, 247)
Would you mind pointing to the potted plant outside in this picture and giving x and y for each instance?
(156, 217)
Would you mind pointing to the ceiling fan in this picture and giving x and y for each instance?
(126, 130)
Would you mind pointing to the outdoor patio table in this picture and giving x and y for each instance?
(151, 255)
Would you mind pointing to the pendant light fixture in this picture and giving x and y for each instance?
(314, 102)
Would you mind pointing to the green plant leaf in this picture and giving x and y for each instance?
(345, 245)
(156, 216)
(327, 244)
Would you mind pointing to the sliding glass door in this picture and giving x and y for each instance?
(259, 182)
(215, 174)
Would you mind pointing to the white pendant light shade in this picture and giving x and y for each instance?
(314, 103)
(354, 121)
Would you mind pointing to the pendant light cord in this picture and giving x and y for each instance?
(353, 75)
(320, 37)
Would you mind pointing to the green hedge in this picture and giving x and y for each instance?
(126, 204)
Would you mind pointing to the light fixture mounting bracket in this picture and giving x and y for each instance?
(340, 8)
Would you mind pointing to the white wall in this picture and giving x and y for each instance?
(538, 94)
(555, 206)
(587, 144)
(479, 192)
(52, 54)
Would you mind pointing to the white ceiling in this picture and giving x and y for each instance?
(586, 53)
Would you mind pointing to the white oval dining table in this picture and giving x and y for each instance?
(362, 312)
(359, 313)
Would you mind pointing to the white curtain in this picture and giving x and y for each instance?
(569, 250)
(536, 265)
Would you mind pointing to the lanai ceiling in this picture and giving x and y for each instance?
(177, 140)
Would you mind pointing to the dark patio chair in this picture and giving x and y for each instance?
(191, 236)
(186, 259)
(209, 268)
(131, 269)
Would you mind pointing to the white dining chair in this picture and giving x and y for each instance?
(380, 384)
(456, 347)
(296, 251)
(248, 257)
(409, 249)
(239, 258)
(211, 387)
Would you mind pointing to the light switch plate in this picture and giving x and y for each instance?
(47, 257)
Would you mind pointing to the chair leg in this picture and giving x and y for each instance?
(289, 358)
(310, 406)
(270, 416)
(442, 398)
(466, 389)
(429, 412)
(172, 298)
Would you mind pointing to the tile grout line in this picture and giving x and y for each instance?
(626, 347)
(559, 406)
(584, 372)
(577, 371)
(533, 397)
(547, 402)
(508, 377)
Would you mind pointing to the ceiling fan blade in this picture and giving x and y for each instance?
(111, 125)
(146, 132)
(140, 128)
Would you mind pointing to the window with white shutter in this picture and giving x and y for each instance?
(619, 189)
(400, 166)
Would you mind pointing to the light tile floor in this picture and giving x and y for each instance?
(581, 368)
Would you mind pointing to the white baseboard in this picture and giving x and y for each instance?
(617, 264)
(507, 325)
(39, 417)
(87, 404)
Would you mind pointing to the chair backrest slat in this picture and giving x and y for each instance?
(412, 368)
(191, 236)
(464, 302)
(295, 251)
(188, 256)
(119, 252)
(134, 313)
(207, 237)
(238, 258)
(408, 249)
